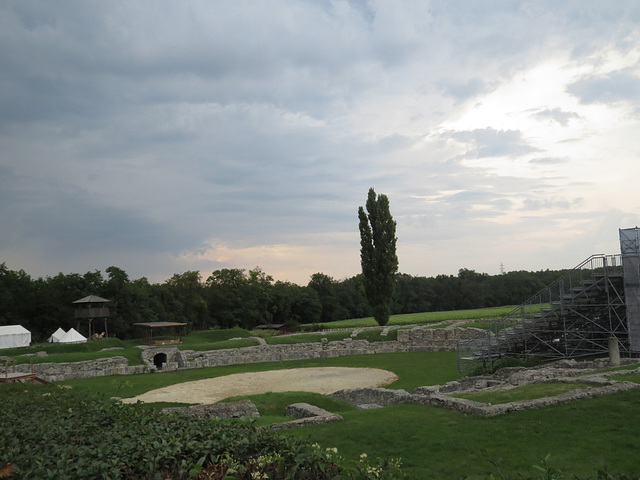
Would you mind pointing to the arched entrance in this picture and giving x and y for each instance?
(159, 359)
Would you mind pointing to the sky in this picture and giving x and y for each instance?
(169, 136)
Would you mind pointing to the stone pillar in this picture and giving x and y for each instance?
(614, 352)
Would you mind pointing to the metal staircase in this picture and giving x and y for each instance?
(573, 317)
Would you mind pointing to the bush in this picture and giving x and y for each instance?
(57, 433)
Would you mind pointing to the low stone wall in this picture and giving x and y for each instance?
(242, 408)
(305, 414)
(101, 367)
(443, 337)
(383, 397)
(417, 339)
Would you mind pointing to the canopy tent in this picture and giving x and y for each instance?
(72, 336)
(56, 336)
(14, 336)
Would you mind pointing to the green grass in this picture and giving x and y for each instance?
(203, 340)
(413, 370)
(433, 443)
(211, 336)
(631, 377)
(77, 352)
(526, 392)
(425, 317)
(306, 338)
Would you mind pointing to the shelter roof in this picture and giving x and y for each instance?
(92, 299)
(159, 324)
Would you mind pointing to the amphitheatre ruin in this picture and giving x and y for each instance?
(590, 314)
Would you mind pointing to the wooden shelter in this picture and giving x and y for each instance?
(160, 333)
(279, 327)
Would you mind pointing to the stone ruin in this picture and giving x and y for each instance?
(170, 358)
(440, 396)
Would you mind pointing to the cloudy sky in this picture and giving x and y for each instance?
(166, 136)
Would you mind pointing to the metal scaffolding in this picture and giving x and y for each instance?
(573, 317)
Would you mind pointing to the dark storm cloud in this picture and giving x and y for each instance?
(69, 221)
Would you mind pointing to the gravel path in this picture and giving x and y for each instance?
(323, 380)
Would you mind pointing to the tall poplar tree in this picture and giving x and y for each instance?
(378, 254)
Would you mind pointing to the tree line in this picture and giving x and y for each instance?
(243, 298)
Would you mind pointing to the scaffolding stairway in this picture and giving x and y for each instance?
(573, 317)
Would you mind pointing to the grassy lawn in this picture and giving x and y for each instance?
(413, 370)
(76, 352)
(306, 338)
(425, 317)
(581, 437)
(631, 377)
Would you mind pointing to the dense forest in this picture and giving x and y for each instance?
(237, 297)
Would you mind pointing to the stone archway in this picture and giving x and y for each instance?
(154, 357)
(159, 359)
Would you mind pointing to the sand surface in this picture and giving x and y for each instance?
(323, 380)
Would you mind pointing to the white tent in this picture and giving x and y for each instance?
(72, 336)
(14, 336)
(57, 335)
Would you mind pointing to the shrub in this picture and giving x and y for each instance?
(51, 432)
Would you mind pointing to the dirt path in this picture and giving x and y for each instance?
(318, 380)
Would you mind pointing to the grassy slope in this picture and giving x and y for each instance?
(425, 317)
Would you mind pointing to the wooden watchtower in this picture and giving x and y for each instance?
(92, 308)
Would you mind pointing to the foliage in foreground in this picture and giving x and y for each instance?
(49, 432)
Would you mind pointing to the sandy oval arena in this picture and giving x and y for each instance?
(323, 380)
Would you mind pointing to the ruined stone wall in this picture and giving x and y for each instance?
(441, 395)
(418, 339)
